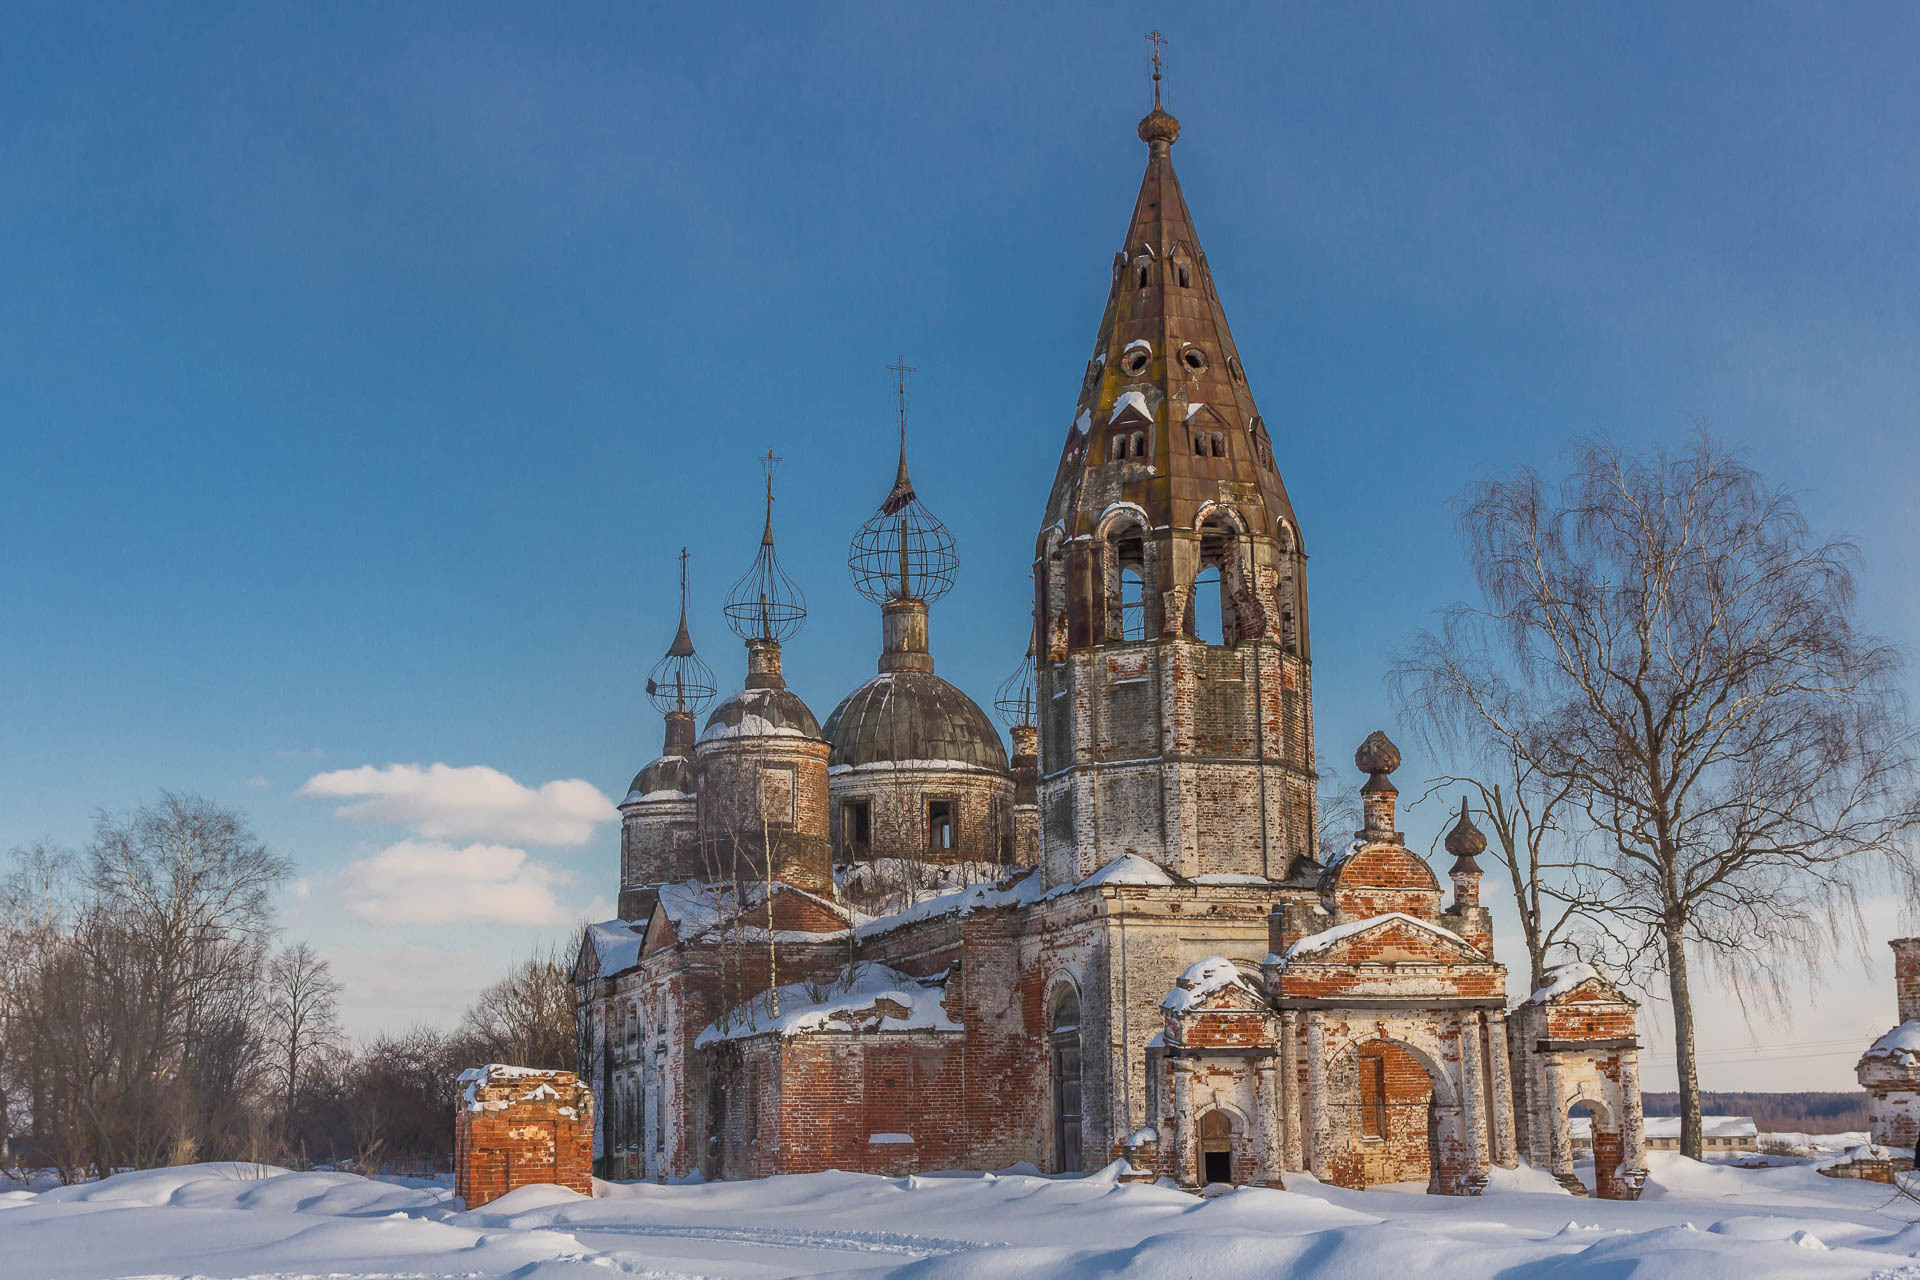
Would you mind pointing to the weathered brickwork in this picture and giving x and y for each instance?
(1142, 957)
(517, 1127)
(1890, 1070)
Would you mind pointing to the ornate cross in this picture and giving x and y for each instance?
(1156, 42)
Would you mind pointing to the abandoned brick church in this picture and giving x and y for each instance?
(881, 944)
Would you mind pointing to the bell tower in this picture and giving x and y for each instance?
(1174, 693)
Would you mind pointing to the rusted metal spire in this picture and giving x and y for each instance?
(682, 642)
(902, 492)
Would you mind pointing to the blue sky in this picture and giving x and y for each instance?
(363, 368)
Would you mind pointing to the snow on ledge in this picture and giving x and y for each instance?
(1130, 398)
(1203, 979)
(1128, 868)
(804, 1008)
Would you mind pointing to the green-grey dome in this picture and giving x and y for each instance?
(913, 717)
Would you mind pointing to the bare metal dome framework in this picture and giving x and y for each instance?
(902, 552)
(680, 682)
(765, 604)
(1014, 701)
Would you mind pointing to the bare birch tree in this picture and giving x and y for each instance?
(1667, 636)
(301, 1006)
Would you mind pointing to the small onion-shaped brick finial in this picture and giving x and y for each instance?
(1377, 754)
(1465, 842)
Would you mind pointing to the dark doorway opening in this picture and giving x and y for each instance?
(1218, 1166)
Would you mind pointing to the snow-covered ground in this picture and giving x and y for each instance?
(1696, 1222)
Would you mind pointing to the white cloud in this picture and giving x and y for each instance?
(426, 882)
(442, 802)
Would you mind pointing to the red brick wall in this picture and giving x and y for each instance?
(516, 1141)
(1401, 1153)
(1906, 976)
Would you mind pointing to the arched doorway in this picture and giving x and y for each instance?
(1597, 1150)
(1389, 1113)
(1064, 1040)
(1216, 1148)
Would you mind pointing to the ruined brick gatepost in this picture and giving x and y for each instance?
(1574, 1044)
(521, 1125)
(1890, 1070)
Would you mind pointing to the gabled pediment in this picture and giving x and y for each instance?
(1389, 939)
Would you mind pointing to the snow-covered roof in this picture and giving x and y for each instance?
(1128, 868)
(1203, 979)
(804, 1007)
(1022, 887)
(1710, 1127)
(634, 797)
(616, 945)
(1561, 979)
(1195, 406)
(1902, 1044)
(1315, 943)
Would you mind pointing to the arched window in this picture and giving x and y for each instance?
(1143, 277)
(1064, 1041)
(1219, 444)
(1208, 621)
(1186, 281)
(1139, 448)
(1133, 605)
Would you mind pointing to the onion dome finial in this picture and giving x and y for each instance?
(680, 682)
(903, 551)
(1158, 126)
(1465, 842)
(1377, 754)
(765, 604)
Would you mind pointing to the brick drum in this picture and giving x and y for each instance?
(517, 1126)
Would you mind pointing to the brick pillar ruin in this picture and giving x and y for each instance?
(517, 1126)
(1890, 1069)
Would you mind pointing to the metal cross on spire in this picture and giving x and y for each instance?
(767, 464)
(1156, 42)
(900, 372)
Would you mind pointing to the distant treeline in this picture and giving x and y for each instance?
(1776, 1112)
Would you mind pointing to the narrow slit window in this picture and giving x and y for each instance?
(1219, 444)
(1139, 447)
(1143, 277)
(1186, 281)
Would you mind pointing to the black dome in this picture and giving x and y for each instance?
(912, 716)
